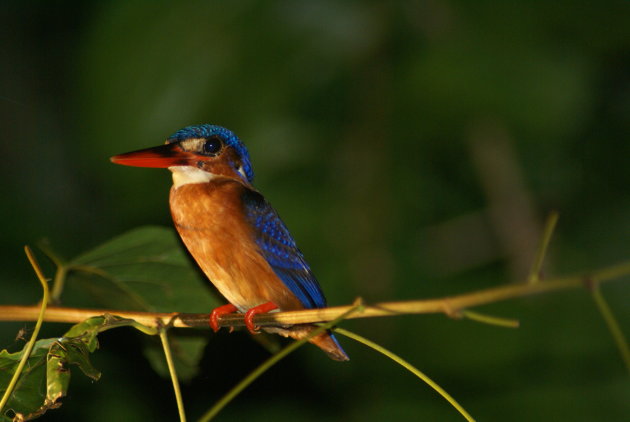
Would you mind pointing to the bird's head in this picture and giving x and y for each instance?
(196, 154)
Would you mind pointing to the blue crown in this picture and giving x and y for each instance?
(230, 139)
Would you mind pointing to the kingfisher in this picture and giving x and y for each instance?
(232, 232)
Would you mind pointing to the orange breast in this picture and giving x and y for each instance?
(210, 220)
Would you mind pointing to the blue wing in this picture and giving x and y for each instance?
(280, 250)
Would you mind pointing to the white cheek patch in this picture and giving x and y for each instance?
(184, 175)
(242, 172)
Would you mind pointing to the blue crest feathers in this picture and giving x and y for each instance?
(230, 139)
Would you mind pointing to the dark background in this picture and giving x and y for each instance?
(414, 149)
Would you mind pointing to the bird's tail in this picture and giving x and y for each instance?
(329, 344)
(325, 341)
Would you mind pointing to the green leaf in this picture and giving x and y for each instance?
(46, 377)
(29, 394)
(67, 351)
(90, 328)
(144, 269)
(147, 269)
(49, 361)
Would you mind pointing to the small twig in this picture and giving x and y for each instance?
(612, 324)
(491, 320)
(60, 274)
(550, 226)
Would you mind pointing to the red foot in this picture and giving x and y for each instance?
(251, 313)
(218, 312)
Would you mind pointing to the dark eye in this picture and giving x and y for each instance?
(212, 145)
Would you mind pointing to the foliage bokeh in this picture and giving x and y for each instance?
(413, 148)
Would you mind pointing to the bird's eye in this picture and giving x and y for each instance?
(212, 145)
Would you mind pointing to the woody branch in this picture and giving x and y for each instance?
(452, 306)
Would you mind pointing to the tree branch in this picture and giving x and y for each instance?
(451, 306)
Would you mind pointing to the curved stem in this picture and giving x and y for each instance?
(31, 343)
(409, 367)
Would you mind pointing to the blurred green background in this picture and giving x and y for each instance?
(413, 148)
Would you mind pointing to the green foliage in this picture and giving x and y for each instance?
(46, 377)
(145, 269)
(30, 393)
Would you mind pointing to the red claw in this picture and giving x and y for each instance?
(251, 313)
(218, 312)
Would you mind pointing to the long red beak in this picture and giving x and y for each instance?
(162, 157)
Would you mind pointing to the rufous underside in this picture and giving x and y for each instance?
(213, 229)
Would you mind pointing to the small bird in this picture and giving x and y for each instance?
(232, 232)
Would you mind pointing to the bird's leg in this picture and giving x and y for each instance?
(218, 312)
(251, 313)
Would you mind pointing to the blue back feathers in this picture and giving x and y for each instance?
(230, 139)
(280, 251)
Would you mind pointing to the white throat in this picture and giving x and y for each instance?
(184, 175)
